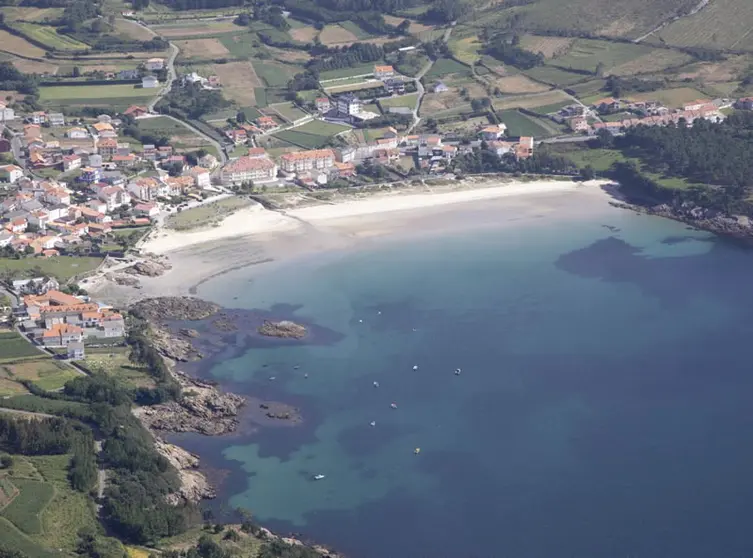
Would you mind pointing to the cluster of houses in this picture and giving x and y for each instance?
(309, 168)
(600, 115)
(54, 319)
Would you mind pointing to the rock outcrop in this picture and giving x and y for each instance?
(202, 409)
(194, 485)
(149, 268)
(159, 309)
(284, 329)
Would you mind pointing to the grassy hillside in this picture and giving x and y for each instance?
(622, 18)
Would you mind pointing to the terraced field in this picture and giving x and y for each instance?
(721, 24)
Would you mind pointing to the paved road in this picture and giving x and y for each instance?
(171, 76)
(420, 86)
(101, 476)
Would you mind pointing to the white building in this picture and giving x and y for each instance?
(259, 170)
(349, 104)
(201, 177)
(6, 114)
(154, 64)
(149, 82)
(304, 161)
(10, 173)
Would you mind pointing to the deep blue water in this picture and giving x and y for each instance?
(603, 410)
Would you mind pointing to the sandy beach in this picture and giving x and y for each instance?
(256, 236)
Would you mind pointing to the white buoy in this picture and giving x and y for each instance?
(360, 321)
(457, 371)
(372, 423)
(379, 313)
(376, 384)
(415, 367)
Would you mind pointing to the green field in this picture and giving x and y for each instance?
(721, 24)
(322, 128)
(60, 267)
(25, 509)
(446, 66)
(289, 111)
(242, 46)
(401, 101)
(40, 369)
(50, 37)
(163, 126)
(355, 29)
(518, 124)
(94, 93)
(548, 109)
(587, 54)
(114, 362)
(13, 347)
(554, 76)
(13, 539)
(274, 74)
(301, 139)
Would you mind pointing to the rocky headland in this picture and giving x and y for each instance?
(712, 220)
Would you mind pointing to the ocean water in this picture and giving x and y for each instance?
(604, 407)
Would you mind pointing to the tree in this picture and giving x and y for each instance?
(587, 173)
(240, 117)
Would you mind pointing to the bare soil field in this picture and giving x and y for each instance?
(550, 47)
(196, 29)
(202, 48)
(238, 81)
(14, 95)
(518, 84)
(25, 13)
(717, 72)
(292, 55)
(437, 102)
(303, 34)
(334, 34)
(132, 30)
(17, 45)
(652, 62)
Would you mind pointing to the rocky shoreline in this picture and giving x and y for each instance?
(711, 220)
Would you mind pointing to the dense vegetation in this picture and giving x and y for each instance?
(191, 101)
(485, 160)
(619, 86)
(508, 51)
(707, 153)
(13, 80)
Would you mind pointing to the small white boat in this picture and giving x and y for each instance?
(319, 477)
(415, 367)
(360, 321)
(393, 405)
(379, 313)
(457, 371)
(376, 384)
(306, 375)
(372, 423)
(272, 378)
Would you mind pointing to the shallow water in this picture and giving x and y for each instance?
(603, 407)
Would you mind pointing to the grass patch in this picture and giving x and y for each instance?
(14, 347)
(518, 124)
(25, 509)
(587, 54)
(114, 362)
(94, 92)
(13, 539)
(549, 109)
(445, 66)
(355, 29)
(274, 75)
(289, 111)
(321, 128)
(44, 372)
(363, 69)
(206, 215)
(408, 101)
(554, 76)
(467, 49)
(302, 139)
(162, 125)
(50, 37)
(60, 267)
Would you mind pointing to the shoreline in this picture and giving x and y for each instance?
(257, 236)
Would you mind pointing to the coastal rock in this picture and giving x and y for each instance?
(122, 279)
(284, 329)
(202, 409)
(194, 486)
(186, 332)
(172, 346)
(150, 268)
(175, 308)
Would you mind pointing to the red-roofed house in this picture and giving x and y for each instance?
(260, 170)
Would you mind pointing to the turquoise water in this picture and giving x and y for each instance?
(603, 407)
